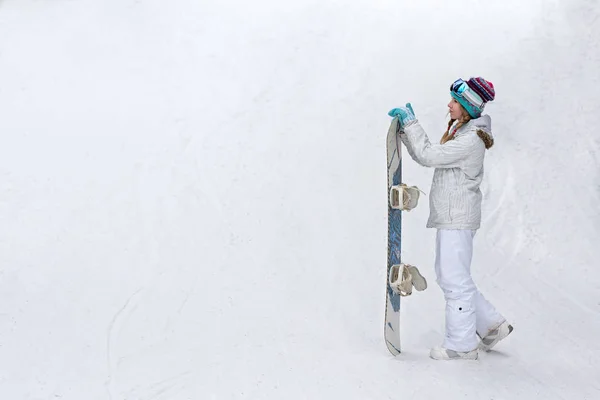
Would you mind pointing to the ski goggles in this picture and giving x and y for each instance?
(461, 89)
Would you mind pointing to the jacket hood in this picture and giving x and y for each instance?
(483, 127)
(484, 123)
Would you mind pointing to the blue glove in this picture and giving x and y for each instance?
(405, 114)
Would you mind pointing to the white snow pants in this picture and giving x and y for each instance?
(467, 311)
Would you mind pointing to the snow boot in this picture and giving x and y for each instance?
(495, 335)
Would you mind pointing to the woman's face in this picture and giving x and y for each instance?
(456, 110)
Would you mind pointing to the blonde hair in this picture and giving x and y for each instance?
(461, 121)
(487, 139)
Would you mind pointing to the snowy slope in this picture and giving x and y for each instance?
(192, 197)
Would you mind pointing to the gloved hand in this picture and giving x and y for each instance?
(405, 114)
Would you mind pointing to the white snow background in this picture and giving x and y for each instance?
(193, 197)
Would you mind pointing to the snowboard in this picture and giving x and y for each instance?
(394, 242)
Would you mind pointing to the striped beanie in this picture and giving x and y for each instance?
(483, 88)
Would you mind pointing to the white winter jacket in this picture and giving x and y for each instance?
(455, 196)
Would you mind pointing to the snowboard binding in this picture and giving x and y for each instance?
(403, 197)
(403, 277)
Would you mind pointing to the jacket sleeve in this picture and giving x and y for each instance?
(409, 148)
(448, 155)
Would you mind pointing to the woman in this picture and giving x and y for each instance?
(455, 211)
